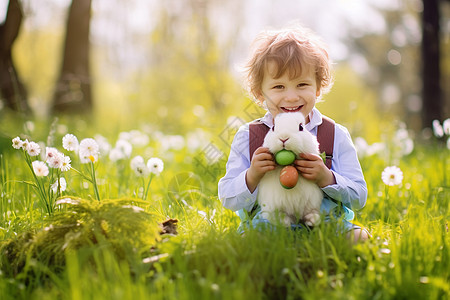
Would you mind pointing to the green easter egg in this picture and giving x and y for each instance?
(284, 157)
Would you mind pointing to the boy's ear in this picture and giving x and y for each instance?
(318, 93)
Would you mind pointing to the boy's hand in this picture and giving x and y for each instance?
(311, 167)
(261, 163)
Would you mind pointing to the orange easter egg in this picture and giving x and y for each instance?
(288, 177)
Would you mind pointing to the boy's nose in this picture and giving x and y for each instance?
(291, 95)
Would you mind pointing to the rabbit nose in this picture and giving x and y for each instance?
(284, 140)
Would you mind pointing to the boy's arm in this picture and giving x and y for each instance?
(233, 190)
(350, 187)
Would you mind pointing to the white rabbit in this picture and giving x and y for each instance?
(301, 203)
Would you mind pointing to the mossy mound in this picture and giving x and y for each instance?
(119, 225)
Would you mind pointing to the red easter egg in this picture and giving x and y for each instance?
(288, 177)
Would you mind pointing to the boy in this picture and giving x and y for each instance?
(288, 71)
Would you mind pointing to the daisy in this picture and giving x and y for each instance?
(65, 165)
(50, 152)
(33, 149)
(17, 143)
(25, 144)
(88, 159)
(88, 147)
(392, 176)
(70, 142)
(56, 161)
(40, 168)
(155, 165)
(62, 185)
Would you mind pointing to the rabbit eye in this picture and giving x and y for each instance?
(300, 127)
(273, 128)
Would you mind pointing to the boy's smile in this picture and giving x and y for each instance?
(285, 94)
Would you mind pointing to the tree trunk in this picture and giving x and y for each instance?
(12, 92)
(73, 89)
(431, 74)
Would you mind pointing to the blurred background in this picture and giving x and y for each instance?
(174, 65)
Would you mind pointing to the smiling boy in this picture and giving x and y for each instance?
(287, 72)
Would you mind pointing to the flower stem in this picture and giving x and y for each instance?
(94, 182)
(148, 187)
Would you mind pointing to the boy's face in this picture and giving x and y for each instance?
(289, 95)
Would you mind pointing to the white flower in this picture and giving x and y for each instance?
(65, 166)
(116, 154)
(40, 168)
(125, 147)
(25, 144)
(103, 144)
(392, 176)
(437, 129)
(138, 138)
(88, 147)
(446, 126)
(88, 159)
(56, 161)
(17, 143)
(155, 165)
(33, 149)
(50, 152)
(70, 142)
(62, 185)
(139, 167)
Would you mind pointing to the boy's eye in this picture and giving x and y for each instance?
(278, 87)
(302, 84)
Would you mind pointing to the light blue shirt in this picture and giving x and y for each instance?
(350, 187)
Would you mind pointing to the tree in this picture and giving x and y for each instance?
(431, 72)
(12, 91)
(73, 88)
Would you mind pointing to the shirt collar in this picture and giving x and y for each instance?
(315, 119)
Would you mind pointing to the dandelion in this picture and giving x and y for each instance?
(62, 185)
(103, 145)
(70, 142)
(40, 168)
(17, 143)
(125, 147)
(155, 165)
(139, 167)
(88, 147)
(392, 176)
(116, 154)
(33, 149)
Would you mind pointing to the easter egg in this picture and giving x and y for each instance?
(288, 177)
(284, 157)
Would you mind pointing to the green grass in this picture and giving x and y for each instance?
(108, 250)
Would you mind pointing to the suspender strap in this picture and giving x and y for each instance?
(257, 133)
(325, 136)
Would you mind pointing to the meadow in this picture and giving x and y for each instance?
(97, 233)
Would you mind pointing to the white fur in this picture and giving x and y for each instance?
(301, 203)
